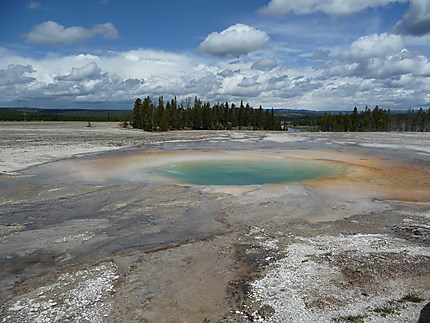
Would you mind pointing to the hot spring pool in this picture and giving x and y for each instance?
(246, 172)
(195, 168)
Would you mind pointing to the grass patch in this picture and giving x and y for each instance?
(411, 298)
(384, 311)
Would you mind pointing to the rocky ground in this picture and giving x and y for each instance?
(351, 249)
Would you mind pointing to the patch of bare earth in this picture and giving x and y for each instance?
(83, 295)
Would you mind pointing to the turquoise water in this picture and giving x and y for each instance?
(245, 172)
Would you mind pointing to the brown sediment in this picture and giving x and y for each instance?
(381, 179)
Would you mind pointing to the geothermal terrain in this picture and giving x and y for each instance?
(85, 237)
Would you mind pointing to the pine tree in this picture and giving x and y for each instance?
(147, 114)
(260, 118)
(355, 120)
(207, 117)
(197, 120)
(347, 125)
(367, 119)
(137, 114)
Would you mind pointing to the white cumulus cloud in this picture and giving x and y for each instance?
(236, 40)
(373, 46)
(52, 33)
(330, 7)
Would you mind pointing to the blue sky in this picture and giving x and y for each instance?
(314, 54)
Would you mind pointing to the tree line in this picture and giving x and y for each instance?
(161, 116)
(376, 120)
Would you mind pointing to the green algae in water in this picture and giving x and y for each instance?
(247, 172)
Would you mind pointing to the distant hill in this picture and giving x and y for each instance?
(307, 114)
(33, 114)
(297, 114)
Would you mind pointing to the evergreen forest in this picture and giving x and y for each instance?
(376, 120)
(202, 116)
(161, 116)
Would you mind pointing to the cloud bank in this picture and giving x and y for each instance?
(373, 69)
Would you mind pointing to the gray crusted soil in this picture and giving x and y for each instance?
(160, 252)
